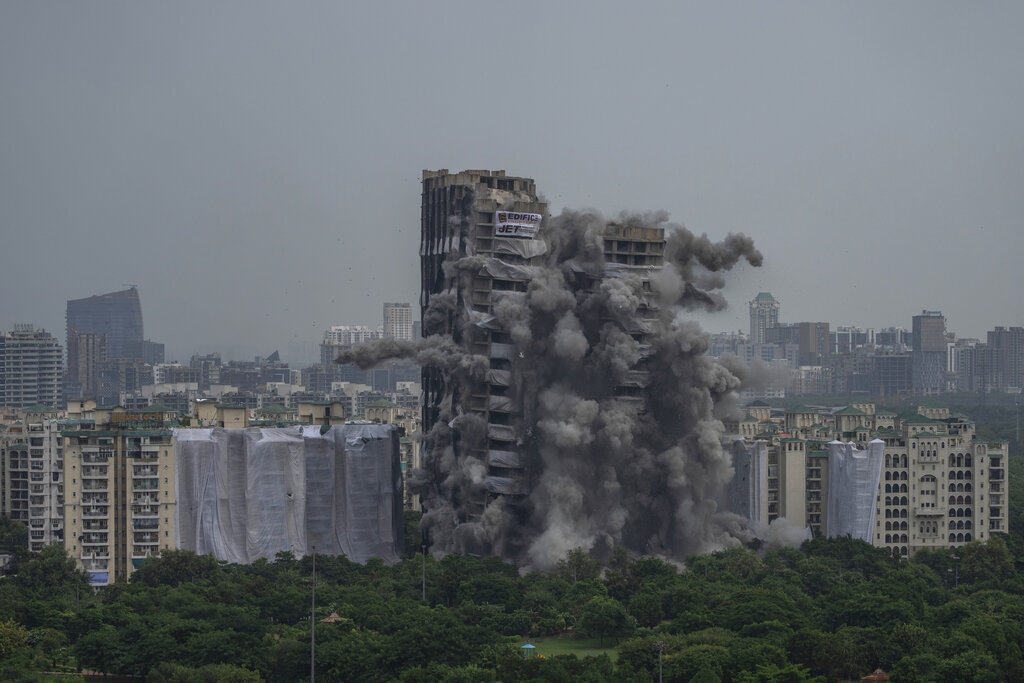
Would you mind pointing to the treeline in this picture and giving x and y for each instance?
(835, 608)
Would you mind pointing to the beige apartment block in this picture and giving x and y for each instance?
(119, 504)
(940, 486)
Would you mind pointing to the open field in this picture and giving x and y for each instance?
(568, 645)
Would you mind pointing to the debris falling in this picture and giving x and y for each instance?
(616, 412)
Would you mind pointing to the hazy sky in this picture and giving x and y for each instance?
(254, 167)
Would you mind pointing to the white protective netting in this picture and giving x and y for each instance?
(249, 493)
(853, 488)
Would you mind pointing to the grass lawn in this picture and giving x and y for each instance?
(567, 645)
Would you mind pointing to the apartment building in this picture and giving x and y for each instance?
(939, 485)
(119, 499)
(31, 364)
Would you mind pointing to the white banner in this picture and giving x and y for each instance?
(513, 224)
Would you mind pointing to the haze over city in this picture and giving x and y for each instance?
(255, 168)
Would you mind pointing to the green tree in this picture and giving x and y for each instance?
(53, 573)
(988, 560)
(577, 565)
(175, 567)
(166, 672)
(773, 673)
(13, 535)
(13, 636)
(605, 617)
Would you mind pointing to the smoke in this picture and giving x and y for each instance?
(604, 426)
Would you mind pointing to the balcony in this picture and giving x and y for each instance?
(95, 526)
(94, 486)
(93, 539)
(94, 499)
(144, 472)
(94, 471)
(94, 512)
(929, 511)
(146, 538)
(145, 484)
(146, 499)
(146, 523)
(95, 555)
(145, 511)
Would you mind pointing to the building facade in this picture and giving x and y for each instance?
(463, 214)
(939, 486)
(118, 315)
(398, 321)
(31, 361)
(483, 242)
(764, 313)
(928, 358)
(119, 498)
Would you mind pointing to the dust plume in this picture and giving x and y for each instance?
(609, 406)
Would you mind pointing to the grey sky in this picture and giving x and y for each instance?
(254, 167)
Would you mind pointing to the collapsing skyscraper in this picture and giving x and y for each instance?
(564, 405)
(495, 219)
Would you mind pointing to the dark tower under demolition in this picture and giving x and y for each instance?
(493, 223)
(497, 218)
(567, 401)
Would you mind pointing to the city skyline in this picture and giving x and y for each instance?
(254, 169)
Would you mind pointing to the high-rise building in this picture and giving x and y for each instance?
(814, 343)
(487, 214)
(152, 352)
(46, 478)
(398, 321)
(119, 497)
(87, 353)
(117, 315)
(764, 313)
(928, 358)
(1005, 351)
(30, 368)
(496, 219)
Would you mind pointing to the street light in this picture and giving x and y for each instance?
(312, 627)
(660, 647)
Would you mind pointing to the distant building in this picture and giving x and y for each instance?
(117, 315)
(87, 352)
(764, 313)
(152, 352)
(30, 368)
(398, 321)
(928, 358)
(814, 343)
(1005, 366)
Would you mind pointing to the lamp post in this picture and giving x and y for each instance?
(312, 627)
(424, 573)
(660, 647)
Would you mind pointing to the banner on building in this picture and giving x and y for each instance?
(513, 224)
